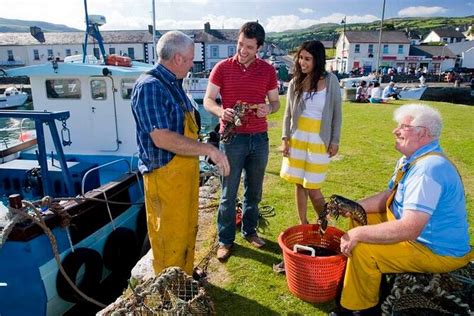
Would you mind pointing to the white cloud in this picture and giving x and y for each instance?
(306, 10)
(421, 11)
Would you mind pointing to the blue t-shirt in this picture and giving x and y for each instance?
(433, 185)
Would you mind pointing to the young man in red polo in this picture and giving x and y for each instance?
(246, 78)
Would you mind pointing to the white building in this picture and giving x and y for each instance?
(460, 49)
(356, 49)
(444, 36)
(22, 49)
(435, 59)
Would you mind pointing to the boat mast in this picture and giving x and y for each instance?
(84, 50)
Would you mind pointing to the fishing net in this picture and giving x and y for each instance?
(427, 294)
(173, 292)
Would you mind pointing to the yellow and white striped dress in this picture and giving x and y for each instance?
(308, 159)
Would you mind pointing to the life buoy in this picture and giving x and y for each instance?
(90, 280)
(121, 251)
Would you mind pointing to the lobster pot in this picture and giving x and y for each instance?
(313, 279)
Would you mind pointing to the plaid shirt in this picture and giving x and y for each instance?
(154, 106)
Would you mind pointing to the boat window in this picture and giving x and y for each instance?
(126, 88)
(63, 88)
(98, 89)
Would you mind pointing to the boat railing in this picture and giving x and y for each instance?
(132, 158)
(103, 166)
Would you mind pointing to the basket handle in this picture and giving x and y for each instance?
(297, 246)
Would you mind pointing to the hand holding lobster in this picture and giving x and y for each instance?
(233, 118)
(339, 205)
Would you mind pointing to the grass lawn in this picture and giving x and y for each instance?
(246, 284)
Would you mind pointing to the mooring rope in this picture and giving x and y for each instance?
(39, 220)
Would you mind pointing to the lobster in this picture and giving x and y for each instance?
(240, 110)
(339, 205)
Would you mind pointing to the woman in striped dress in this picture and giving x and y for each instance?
(311, 126)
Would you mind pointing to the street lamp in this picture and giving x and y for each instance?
(380, 38)
(343, 22)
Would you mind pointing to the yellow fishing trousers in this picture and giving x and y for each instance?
(171, 198)
(368, 262)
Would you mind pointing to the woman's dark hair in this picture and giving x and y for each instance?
(376, 84)
(316, 49)
(253, 30)
(363, 83)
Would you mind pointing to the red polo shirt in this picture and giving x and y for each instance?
(250, 85)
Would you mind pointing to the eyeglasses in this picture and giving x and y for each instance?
(407, 127)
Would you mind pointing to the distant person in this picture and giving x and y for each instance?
(361, 92)
(390, 91)
(168, 152)
(422, 81)
(369, 89)
(376, 94)
(311, 127)
(247, 78)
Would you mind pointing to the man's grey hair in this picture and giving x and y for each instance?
(171, 43)
(421, 115)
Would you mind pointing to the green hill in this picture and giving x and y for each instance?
(330, 32)
(18, 26)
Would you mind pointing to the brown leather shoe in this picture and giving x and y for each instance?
(223, 252)
(256, 241)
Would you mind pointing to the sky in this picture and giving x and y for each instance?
(274, 15)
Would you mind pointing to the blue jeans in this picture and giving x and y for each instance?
(247, 153)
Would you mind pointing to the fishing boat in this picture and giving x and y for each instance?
(12, 97)
(77, 216)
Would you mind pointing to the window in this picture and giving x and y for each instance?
(357, 48)
(96, 52)
(371, 49)
(111, 50)
(63, 89)
(126, 86)
(36, 55)
(50, 53)
(131, 52)
(68, 52)
(98, 89)
(231, 51)
(10, 55)
(385, 49)
(400, 49)
(214, 51)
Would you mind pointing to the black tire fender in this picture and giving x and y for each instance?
(90, 281)
(121, 250)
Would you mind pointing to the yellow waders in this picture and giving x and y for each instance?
(171, 199)
(369, 261)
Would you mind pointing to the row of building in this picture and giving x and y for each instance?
(440, 50)
(354, 49)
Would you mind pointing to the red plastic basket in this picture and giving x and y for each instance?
(313, 279)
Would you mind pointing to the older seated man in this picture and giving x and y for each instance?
(390, 91)
(419, 224)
